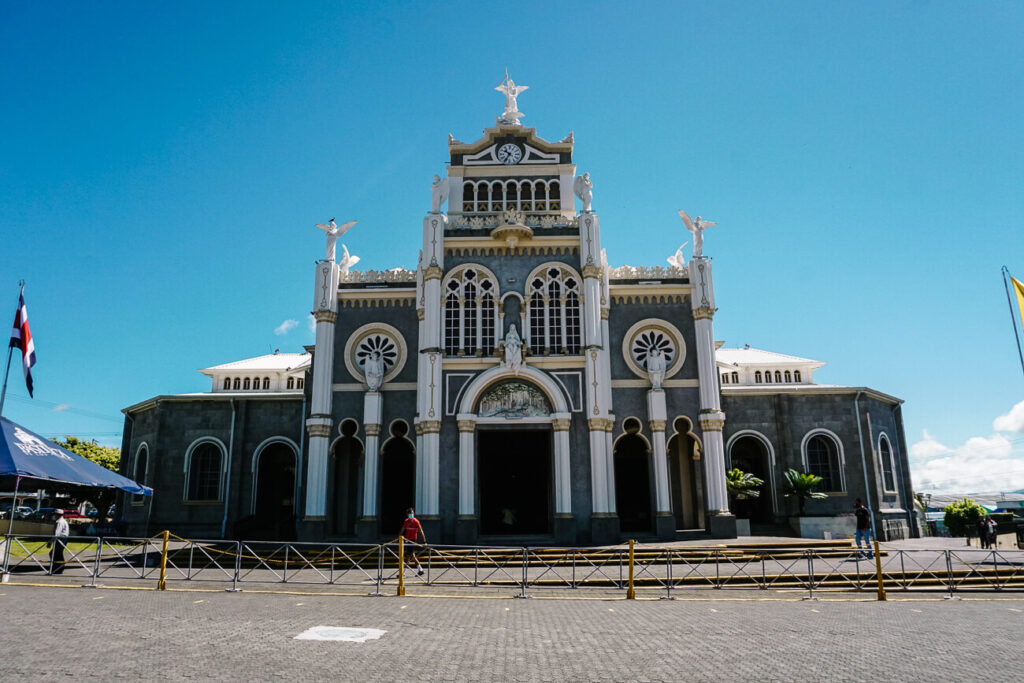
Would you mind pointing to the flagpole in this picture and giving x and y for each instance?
(1013, 318)
(10, 352)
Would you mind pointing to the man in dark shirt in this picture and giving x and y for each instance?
(863, 528)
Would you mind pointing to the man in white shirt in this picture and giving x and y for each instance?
(61, 530)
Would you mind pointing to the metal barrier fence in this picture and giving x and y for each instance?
(646, 571)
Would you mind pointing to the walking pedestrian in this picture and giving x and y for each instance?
(982, 532)
(991, 532)
(61, 530)
(863, 529)
(413, 531)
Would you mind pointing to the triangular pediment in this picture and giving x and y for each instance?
(535, 150)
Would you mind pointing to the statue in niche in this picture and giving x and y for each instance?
(373, 369)
(583, 189)
(334, 231)
(513, 350)
(697, 227)
(656, 368)
(438, 193)
(511, 91)
(347, 261)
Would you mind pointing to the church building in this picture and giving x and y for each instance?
(514, 388)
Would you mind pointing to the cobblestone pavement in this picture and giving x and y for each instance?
(56, 632)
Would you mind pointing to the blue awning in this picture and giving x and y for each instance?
(24, 453)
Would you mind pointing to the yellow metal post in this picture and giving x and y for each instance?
(878, 573)
(161, 585)
(630, 593)
(401, 565)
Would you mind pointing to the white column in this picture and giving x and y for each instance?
(563, 481)
(712, 419)
(657, 420)
(598, 467)
(428, 392)
(609, 464)
(467, 466)
(319, 422)
(373, 406)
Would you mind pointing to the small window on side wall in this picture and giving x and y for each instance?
(299, 382)
(291, 383)
(757, 377)
(796, 376)
(227, 383)
(266, 383)
(204, 472)
(238, 384)
(735, 378)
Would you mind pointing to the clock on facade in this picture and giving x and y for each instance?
(509, 153)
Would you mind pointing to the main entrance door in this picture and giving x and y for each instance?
(515, 478)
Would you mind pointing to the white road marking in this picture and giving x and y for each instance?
(816, 611)
(98, 597)
(1013, 609)
(342, 633)
(197, 602)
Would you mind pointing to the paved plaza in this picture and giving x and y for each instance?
(56, 632)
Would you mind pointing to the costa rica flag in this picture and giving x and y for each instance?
(21, 338)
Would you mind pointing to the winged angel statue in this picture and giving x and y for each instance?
(697, 227)
(347, 261)
(583, 189)
(334, 231)
(677, 260)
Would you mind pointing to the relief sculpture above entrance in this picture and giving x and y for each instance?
(513, 399)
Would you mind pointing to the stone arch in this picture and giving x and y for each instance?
(762, 466)
(345, 479)
(634, 478)
(190, 451)
(840, 456)
(475, 389)
(255, 463)
(686, 477)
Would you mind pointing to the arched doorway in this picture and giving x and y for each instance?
(275, 493)
(516, 474)
(685, 484)
(345, 477)
(633, 498)
(397, 479)
(750, 454)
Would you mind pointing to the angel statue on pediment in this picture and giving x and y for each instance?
(697, 227)
(334, 231)
(584, 189)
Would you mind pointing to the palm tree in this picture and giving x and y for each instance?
(742, 485)
(801, 485)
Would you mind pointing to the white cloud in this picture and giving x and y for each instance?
(1013, 421)
(993, 463)
(61, 407)
(286, 327)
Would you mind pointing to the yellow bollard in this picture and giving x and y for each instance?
(630, 593)
(161, 585)
(401, 565)
(878, 574)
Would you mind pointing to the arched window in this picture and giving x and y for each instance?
(725, 378)
(266, 383)
(888, 466)
(778, 377)
(291, 383)
(554, 311)
(470, 312)
(204, 473)
(299, 382)
(823, 460)
(796, 376)
(735, 378)
(141, 470)
(554, 196)
(245, 384)
(789, 377)
(227, 383)
(757, 377)
(238, 384)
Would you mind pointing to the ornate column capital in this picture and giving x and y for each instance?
(325, 316)
(430, 426)
(561, 424)
(712, 421)
(657, 425)
(591, 270)
(605, 312)
(467, 425)
(314, 430)
(433, 272)
(600, 424)
(703, 313)
(371, 429)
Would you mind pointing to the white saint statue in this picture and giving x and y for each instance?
(511, 91)
(347, 261)
(584, 190)
(656, 368)
(334, 231)
(373, 369)
(513, 350)
(697, 227)
(438, 193)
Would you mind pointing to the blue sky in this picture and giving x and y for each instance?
(162, 164)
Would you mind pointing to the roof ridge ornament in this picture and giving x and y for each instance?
(511, 115)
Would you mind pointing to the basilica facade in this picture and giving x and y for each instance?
(515, 387)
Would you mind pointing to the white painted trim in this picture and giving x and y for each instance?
(390, 386)
(839, 450)
(223, 467)
(254, 465)
(766, 442)
(892, 463)
(365, 331)
(646, 384)
(666, 327)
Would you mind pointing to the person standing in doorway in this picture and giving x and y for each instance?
(863, 528)
(413, 532)
(61, 530)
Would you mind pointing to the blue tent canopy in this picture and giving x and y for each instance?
(26, 454)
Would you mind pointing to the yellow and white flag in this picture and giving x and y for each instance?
(1018, 289)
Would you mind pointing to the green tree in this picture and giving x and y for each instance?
(104, 456)
(962, 516)
(801, 486)
(742, 485)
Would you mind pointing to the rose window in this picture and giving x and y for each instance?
(377, 342)
(650, 339)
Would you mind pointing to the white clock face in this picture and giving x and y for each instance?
(510, 153)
